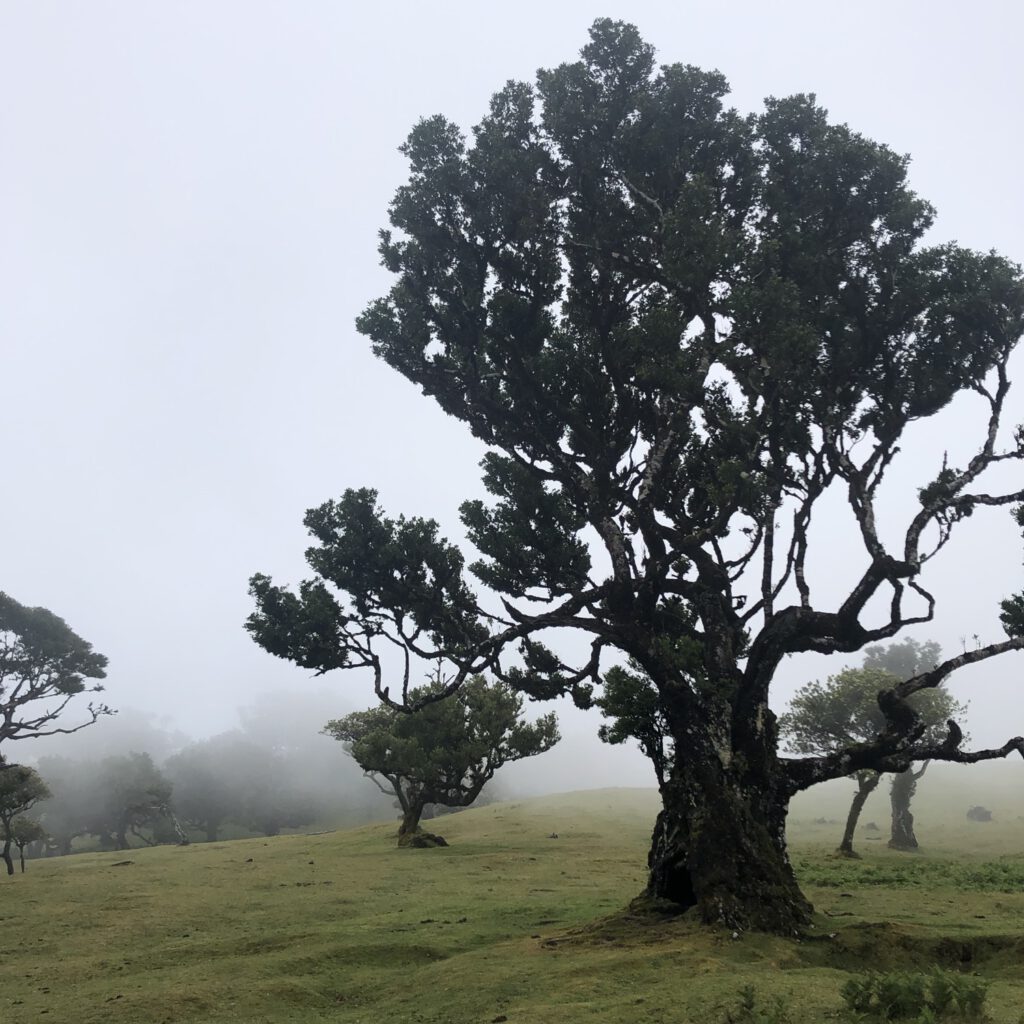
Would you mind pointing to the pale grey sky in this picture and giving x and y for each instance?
(189, 198)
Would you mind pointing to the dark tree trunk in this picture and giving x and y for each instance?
(21, 857)
(866, 785)
(410, 825)
(7, 857)
(719, 846)
(121, 840)
(904, 785)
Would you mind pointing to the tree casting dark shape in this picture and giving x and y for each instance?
(677, 330)
(447, 751)
(43, 666)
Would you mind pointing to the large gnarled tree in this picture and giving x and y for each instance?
(679, 331)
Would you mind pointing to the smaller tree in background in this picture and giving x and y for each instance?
(43, 665)
(831, 716)
(74, 802)
(26, 831)
(21, 788)
(135, 795)
(906, 659)
(219, 779)
(444, 753)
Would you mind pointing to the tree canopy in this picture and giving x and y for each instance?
(447, 751)
(43, 666)
(680, 331)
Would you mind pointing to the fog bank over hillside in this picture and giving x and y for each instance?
(579, 761)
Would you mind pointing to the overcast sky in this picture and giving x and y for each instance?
(189, 199)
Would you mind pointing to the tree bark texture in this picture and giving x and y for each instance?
(719, 846)
(411, 813)
(866, 785)
(6, 854)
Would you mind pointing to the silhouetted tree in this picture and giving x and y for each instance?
(43, 666)
(446, 752)
(21, 788)
(679, 331)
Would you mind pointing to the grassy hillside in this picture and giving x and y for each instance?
(506, 923)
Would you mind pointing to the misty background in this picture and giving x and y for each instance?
(189, 197)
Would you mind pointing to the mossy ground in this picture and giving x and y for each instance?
(506, 922)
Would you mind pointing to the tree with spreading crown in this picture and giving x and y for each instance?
(679, 331)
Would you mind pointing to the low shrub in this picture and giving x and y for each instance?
(918, 998)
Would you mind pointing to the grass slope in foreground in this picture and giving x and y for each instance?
(505, 923)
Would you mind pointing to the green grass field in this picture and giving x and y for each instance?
(505, 924)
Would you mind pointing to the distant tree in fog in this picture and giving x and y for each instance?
(304, 776)
(904, 660)
(217, 780)
(43, 666)
(21, 788)
(446, 752)
(845, 710)
(133, 799)
(74, 802)
(26, 831)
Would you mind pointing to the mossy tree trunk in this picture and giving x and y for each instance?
(412, 811)
(867, 782)
(719, 844)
